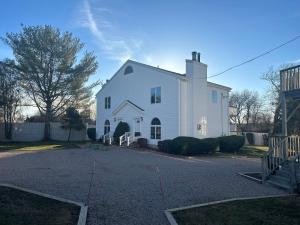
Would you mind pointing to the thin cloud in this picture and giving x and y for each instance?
(117, 48)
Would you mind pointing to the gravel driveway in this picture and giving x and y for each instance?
(130, 187)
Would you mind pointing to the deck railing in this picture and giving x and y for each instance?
(281, 149)
(290, 79)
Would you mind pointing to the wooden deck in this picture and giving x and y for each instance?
(290, 79)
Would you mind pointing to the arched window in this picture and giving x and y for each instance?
(106, 126)
(128, 70)
(155, 129)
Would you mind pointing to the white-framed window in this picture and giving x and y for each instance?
(155, 132)
(155, 95)
(107, 102)
(106, 126)
(214, 96)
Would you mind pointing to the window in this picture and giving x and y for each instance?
(107, 102)
(214, 96)
(106, 126)
(156, 95)
(155, 129)
(128, 70)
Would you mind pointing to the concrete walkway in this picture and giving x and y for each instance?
(130, 187)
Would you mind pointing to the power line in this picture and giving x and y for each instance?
(256, 57)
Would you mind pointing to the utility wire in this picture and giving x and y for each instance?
(258, 56)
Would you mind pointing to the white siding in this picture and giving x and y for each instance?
(136, 88)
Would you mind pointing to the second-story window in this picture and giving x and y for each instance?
(155, 95)
(214, 96)
(107, 103)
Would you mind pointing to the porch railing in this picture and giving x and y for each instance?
(107, 137)
(281, 149)
(126, 138)
(290, 79)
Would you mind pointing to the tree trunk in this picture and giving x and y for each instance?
(69, 134)
(47, 123)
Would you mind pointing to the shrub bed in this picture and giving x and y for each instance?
(165, 145)
(91, 133)
(231, 143)
(142, 142)
(188, 146)
(121, 128)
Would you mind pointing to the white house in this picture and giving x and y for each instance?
(159, 104)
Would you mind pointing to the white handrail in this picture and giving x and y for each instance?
(125, 137)
(105, 137)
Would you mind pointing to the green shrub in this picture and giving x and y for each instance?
(121, 128)
(193, 146)
(91, 133)
(165, 145)
(200, 146)
(250, 138)
(231, 143)
(142, 142)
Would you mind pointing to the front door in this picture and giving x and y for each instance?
(138, 127)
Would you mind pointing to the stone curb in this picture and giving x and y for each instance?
(172, 220)
(249, 177)
(83, 208)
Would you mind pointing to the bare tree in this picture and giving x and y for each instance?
(272, 77)
(10, 95)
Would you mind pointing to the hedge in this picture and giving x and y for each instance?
(231, 143)
(91, 133)
(142, 142)
(121, 128)
(188, 145)
(165, 145)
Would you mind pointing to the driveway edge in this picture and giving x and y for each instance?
(83, 208)
(172, 221)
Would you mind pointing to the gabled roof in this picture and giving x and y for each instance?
(129, 103)
(167, 72)
(178, 75)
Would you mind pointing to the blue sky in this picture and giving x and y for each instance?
(165, 32)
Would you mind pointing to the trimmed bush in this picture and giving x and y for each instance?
(91, 133)
(192, 146)
(250, 138)
(121, 128)
(200, 146)
(142, 142)
(165, 145)
(231, 143)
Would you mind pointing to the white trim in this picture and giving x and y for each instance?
(123, 104)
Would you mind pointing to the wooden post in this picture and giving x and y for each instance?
(284, 124)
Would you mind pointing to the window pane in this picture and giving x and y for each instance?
(105, 103)
(152, 95)
(158, 132)
(158, 95)
(108, 103)
(152, 135)
(214, 96)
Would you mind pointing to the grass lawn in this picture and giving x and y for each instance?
(267, 211)
(252, 151)
(23, 208)
(32, 146)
